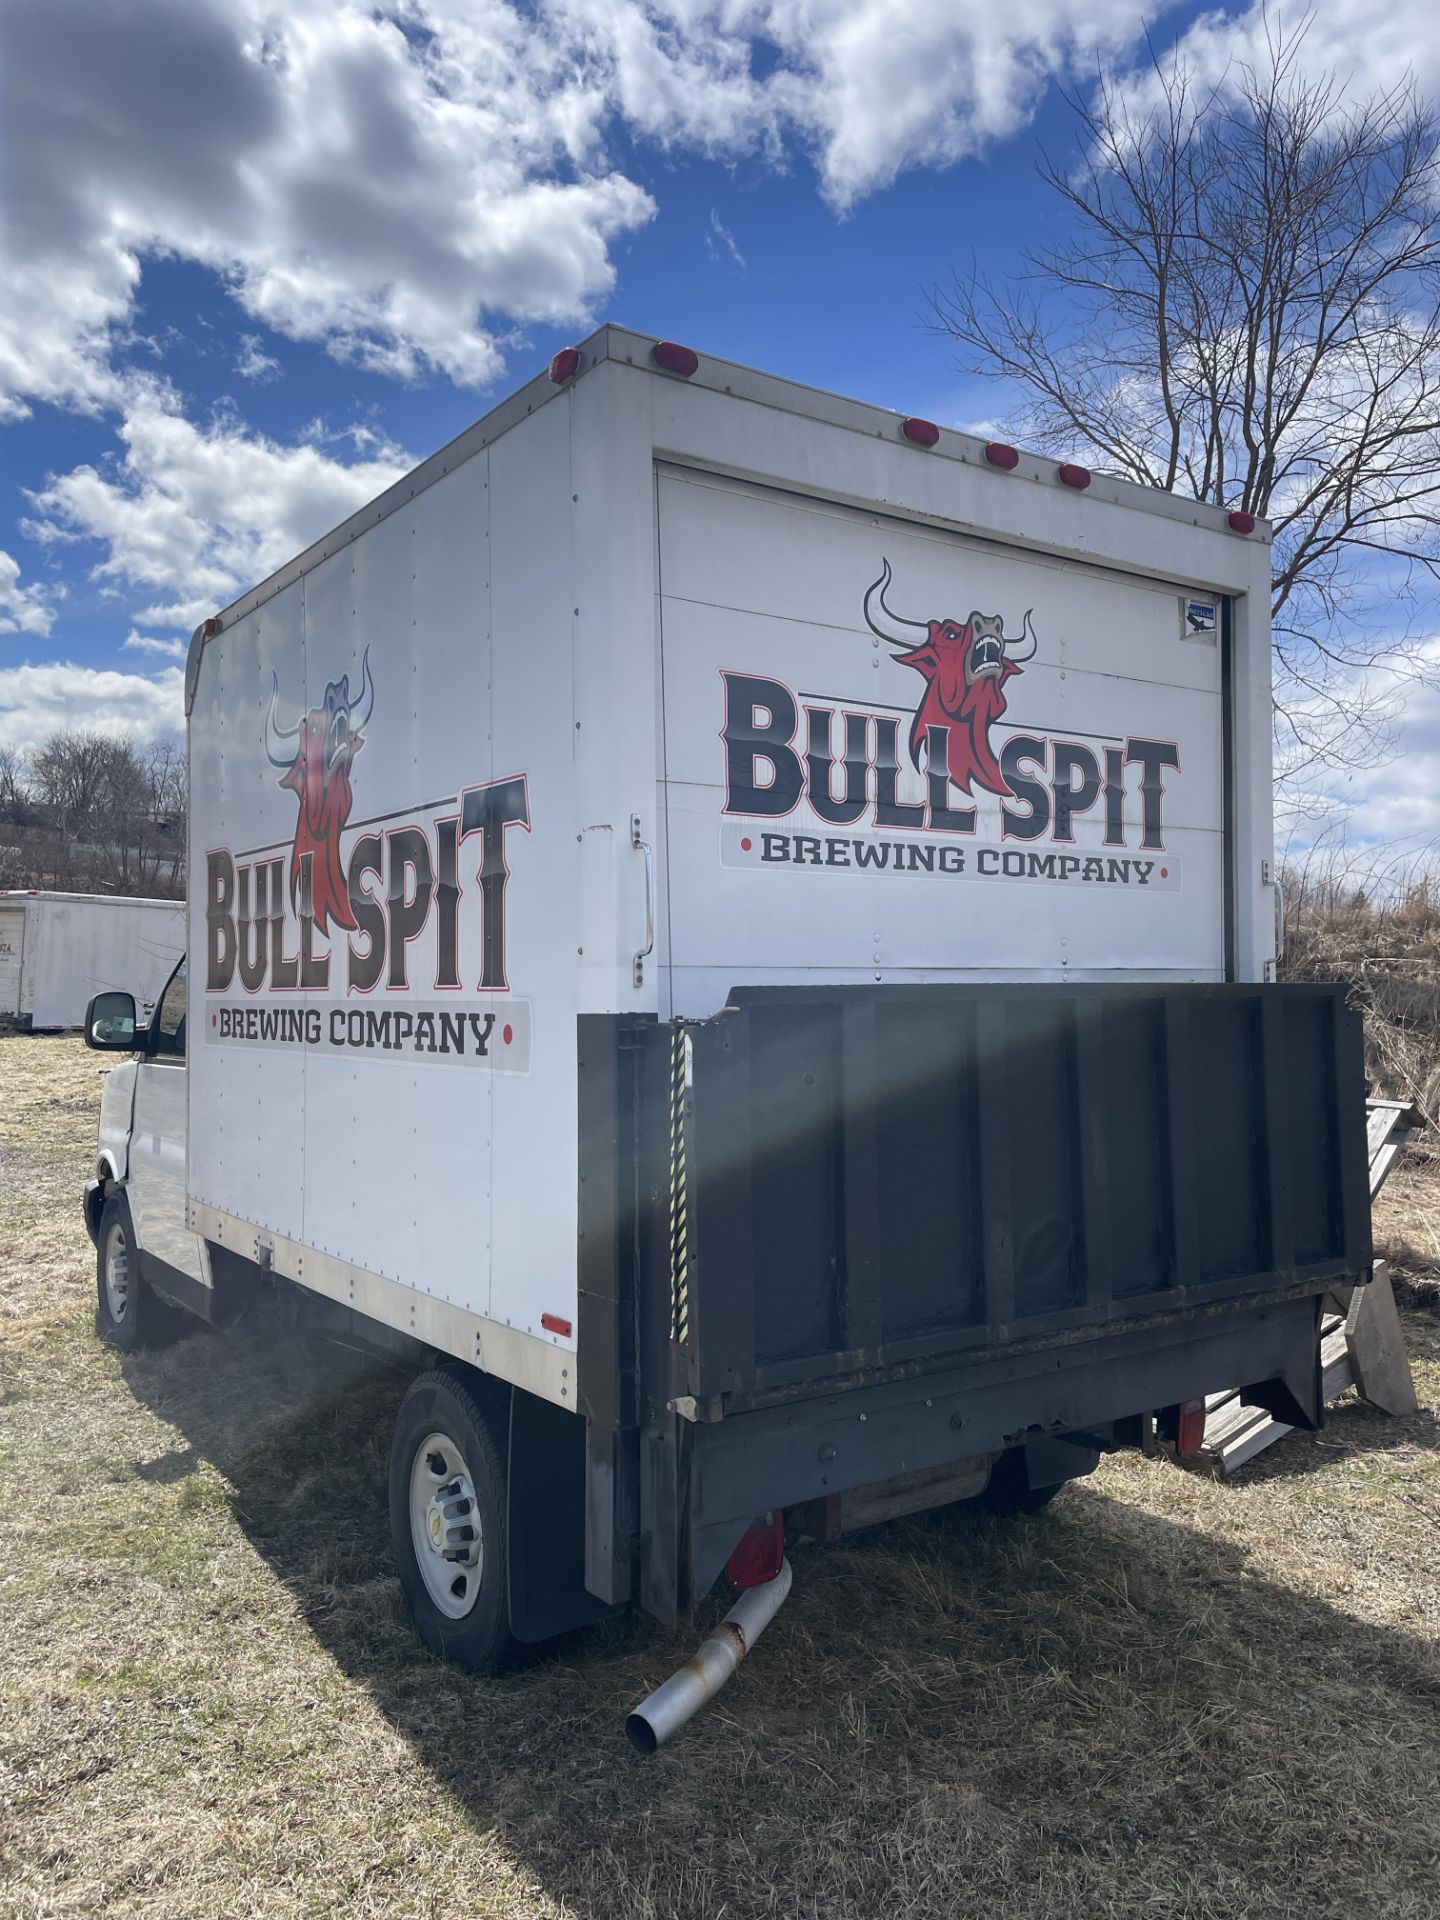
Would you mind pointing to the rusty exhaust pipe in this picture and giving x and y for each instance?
(679, 1698)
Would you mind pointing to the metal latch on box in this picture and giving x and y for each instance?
(642, 845)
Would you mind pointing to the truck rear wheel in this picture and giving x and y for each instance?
(128, 1315)
(447, 1522)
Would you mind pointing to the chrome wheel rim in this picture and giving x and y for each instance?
(117, 1276)
(445, 1525)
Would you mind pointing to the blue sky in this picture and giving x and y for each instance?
(257, 259)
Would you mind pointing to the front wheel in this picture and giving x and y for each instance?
(447, 1522)
(128, 1315)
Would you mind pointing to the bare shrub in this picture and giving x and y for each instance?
(1373, 921)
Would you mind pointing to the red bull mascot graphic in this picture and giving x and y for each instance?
(965, 667)
(316, 755)
(820, 780)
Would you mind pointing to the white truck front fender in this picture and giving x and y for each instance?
(117, 1106)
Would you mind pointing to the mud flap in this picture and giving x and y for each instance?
(546, 1521)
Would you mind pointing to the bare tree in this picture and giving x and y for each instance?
(1249, 313)
(95, 813)
(15, 797)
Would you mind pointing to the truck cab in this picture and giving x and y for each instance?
(148, 1259)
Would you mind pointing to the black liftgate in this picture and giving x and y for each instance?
(1027, 1204)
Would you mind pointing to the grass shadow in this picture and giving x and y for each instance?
(1100, 1712)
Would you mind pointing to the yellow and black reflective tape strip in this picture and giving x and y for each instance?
(679, 1195)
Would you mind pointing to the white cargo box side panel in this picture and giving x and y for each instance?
(246, 1140)
(535, 1177)
(412, 1007)
(764, 629)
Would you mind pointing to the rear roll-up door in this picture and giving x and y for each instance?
(894, 753)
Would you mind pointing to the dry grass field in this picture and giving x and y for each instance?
(1165, 1697)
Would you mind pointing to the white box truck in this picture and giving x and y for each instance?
(58, 950)
(737, 929)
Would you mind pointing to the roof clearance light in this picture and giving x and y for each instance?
(1241, 522)
(211, 627)
(675, 359)
(1077, 477)
(923, 432)
(565, 365)
(999, 455)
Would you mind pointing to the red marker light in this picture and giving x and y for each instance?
(923, 432)
(211, 627)
(507, 1033)
(1077, 477)
(552, 1323)
(999, 455)
(760, 1554)
(1241, 522)
(1190, 1429)
(675, 359)
(565, 365)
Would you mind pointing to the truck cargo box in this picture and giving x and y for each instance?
(731, 921)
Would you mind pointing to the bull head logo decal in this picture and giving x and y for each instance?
(965, 666)
(316, 754)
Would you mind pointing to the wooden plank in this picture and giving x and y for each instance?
(1376, 1343)
(1251, 1441)
(1336, 1377)
(1244, 1432)
(1379, 1124)
(1233, 1420)
(1382, 1161)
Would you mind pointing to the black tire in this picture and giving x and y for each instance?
(461, 1609)
(128, 1314)
(1010, 1491)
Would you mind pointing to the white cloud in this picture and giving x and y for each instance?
(371, 178)
(23, 609)
(253, 363)
(720, 241)
(194, 514)
(36, 701)
(401, 181)
(1367, 48)
(152, 643)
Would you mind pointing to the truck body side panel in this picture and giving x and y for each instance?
(383, 1082)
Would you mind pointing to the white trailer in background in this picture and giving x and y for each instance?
(58, 950)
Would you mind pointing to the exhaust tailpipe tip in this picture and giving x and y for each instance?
(678, 1699)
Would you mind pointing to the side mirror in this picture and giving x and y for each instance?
(110, 1023)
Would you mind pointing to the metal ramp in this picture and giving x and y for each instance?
(1362, 1344)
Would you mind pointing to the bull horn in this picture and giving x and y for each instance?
(365, 702)
(1027, 632)
(276, 736)
(889, 626)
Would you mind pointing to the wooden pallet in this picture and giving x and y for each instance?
(1362, 1344)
